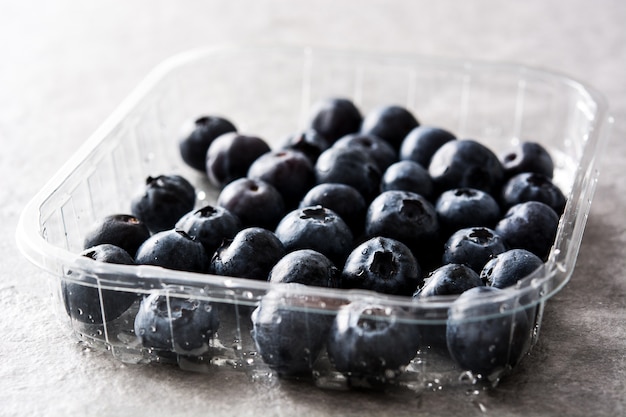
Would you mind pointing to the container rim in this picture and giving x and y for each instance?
(555, 273)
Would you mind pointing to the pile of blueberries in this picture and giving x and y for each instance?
(372, 201)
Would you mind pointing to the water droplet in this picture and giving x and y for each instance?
(481, 406)
(467, 377)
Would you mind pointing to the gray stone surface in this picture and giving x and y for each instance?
(67, 64)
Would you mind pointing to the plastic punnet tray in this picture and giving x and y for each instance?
(268, 91)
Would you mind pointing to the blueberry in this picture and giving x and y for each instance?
(466, 163)
(122, 230)
(449, 279)
(254, 202)
(175, 324)
(531, 226)
(335, 117)
(310, 142)
(529, 186)
(380, 150)
(305, 266)
(487, 333)
(343, 199)
(166, 199)
(384, 265)
(407, 217)
(290, 172)
(209, 225)
(506, 268)
(289, 329)
(473, 246)
(230, 155)
(371, 343)
(197, 135)
(460, 208)
(83, 301)
(250, 254)
(316, 228)
(351, 166)
(407, 176)
(389, 122)
(527, 157)
(173, 249)
(421, 143)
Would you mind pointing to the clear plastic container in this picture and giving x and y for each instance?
(268, 91)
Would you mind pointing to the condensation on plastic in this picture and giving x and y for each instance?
(268, 91)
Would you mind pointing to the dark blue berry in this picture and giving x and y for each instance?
(196, 137)
(254, 202)
(487, 333)
(384, 265)
(407, 176)
(167, 324)
(82, 299)
(389, 122)
(407, 217)
(290, 172)
(351, 166)
(252, 253)
(289, 329)
(310, 142)
(460, 208)
(335, 117)
(380, 150)
(173, 249)
(465, 163)
(122, 230)
(316, 228)
(165, 200)
(230, 155)
(529, 186)
(305, 266)
(343, 199)
(421, 143)
(506, 268)
(473, 246)
(527, 157)
(449, 279)
(371, 343)
(531, 226)
(210, 225)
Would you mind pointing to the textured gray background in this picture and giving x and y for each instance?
(67, 64)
